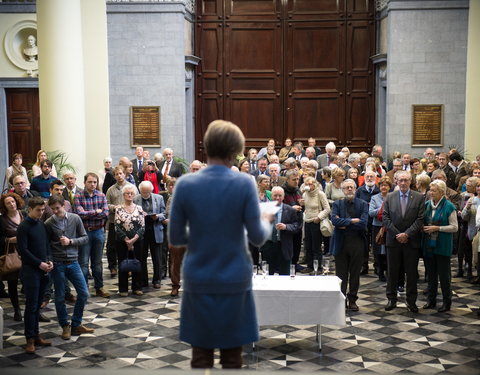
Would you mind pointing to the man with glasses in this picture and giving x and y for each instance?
(403, 214)
(20, 188)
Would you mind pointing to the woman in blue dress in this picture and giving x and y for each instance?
(221, 210)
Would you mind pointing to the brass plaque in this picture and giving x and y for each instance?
(145, 126)
(427, 123)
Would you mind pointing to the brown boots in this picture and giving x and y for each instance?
(39, 340)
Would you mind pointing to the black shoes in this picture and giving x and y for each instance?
(352, 306)
(390, 305)
(17, 316)
(412, 307)
(445, 307)
(429, 305)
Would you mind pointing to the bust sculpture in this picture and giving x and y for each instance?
(31, 50)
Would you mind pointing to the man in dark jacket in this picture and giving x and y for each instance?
(34, 248)
(278, 250)
(350, 218)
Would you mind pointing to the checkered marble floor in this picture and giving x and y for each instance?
(142, 333)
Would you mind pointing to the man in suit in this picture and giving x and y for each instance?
(350, 218)
(262, 168)
(252, 159)
(71, 187)
(458, 165)
(353, 162)
(275, 178)
(324, 160)
(169, 167)
(365, 192)
(297, 151)
(278, 250)
(403, 214)
(138, 161)
(20, 188)
(154, 207)
(406, 162)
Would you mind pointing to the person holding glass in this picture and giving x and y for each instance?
(221, 211)
(10, 207)
(440, 223)
(129, 230)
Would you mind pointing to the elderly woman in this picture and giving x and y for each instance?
(263, 184)
(352, 174)
(422, 183)
(218, 310)
(465, 244)
(129, 231)
(334, 190)
(437, 244)
(469, 214)
(10, 208)
(316, 209)
(37, 169)
(16, 169)
(150, 172)
(375, 211)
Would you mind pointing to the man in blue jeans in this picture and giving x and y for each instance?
(34, 248)
(91, 206)
(66, 233)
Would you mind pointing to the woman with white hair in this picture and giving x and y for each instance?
(437, 243)
(129, 231)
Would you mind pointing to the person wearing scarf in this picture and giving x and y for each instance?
(437, 244)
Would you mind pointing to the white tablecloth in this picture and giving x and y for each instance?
(303, 300)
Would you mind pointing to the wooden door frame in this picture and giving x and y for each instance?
(9, 83)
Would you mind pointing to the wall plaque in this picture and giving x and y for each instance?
(145, 126)
(427, 123)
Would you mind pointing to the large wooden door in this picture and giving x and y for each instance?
(23, 123)
(287, 68)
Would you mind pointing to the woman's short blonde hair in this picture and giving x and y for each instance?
(423, 180)
(309, 180)
(441, 185)
(337, 172)
(223, 140)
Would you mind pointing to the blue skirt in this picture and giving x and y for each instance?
(218, 320)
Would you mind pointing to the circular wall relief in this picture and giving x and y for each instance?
(16, 41)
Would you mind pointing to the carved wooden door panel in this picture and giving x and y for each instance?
(23, 123)
(287, 68)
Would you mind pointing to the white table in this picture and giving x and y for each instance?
(299, 301)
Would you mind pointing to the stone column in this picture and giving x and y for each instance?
(73, 81)
(472, 109)
(61, 80)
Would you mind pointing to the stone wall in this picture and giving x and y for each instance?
(427, 52)
(147, 68)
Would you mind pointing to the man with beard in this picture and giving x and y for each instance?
(350, 218)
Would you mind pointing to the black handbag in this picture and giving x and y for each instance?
(131, 264)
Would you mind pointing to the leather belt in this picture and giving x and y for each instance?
(91, 229)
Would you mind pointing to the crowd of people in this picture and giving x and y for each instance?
(390, 211)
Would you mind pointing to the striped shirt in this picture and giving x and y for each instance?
(86, 206)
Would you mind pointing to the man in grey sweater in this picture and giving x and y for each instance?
(66, 233)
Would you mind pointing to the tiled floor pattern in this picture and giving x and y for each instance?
(142, 333)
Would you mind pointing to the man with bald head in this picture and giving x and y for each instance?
(169, 167)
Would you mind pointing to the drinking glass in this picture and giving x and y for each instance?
(255, 270)
(265, 269)
(326, 266)
(292, 271)
(315, 266)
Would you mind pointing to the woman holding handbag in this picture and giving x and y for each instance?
(129, 230)
(10, 206)
(375, 211)
(316, 210)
